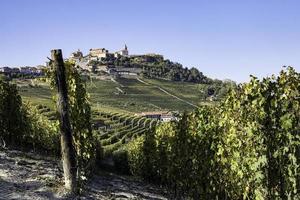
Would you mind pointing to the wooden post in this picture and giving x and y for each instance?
(67, 148)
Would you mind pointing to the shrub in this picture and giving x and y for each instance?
(22, 125)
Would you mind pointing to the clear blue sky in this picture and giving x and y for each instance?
(222, 38)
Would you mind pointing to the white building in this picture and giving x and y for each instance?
(163, 116)
(123, 52)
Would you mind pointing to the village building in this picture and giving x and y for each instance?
(164, 116)
(120, 70)
(98, 68)
(97, 54)
(30, 70)
(22, 70)
(76, 56)
(123, 52)
(25, 70)
(104, 61)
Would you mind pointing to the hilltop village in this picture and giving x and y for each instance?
(120, 63)
(101, 61)
(98, 60)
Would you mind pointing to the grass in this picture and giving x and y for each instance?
(37, 95)
(187, 91)
(136, 96)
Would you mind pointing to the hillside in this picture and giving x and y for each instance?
(148, 65)
(126, 94)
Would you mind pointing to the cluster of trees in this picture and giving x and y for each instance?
(174, 72)
(156, 67)
(246, 148)
(217, 89)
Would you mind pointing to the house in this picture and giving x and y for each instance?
(96, 54)
(119, 70)
(123, 52)
(22, 70)
(164, 116)
(99, 68)
(30, 70)
(25, 70)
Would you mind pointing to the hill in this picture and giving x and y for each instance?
(149, 66)
(125, 95)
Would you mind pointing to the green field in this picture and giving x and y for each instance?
(39, 94)
(188, 91)
(123, 95)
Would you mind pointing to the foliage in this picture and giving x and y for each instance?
(10, 112)
(246, 148)
(135, 156)
(22, 125)
(260, 124)
(174, 72)
(154, 66)
(219, 89)
(115, 129)
(40, 132)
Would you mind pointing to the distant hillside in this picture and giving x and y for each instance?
(130, 94)
(101, 61)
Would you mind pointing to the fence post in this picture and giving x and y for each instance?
(67, 148)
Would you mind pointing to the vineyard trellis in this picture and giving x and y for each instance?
(248, 147)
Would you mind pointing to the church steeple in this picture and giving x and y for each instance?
(125, 47)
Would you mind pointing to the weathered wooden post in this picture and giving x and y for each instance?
(67, 148)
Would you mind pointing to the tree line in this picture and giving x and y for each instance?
(157, 67)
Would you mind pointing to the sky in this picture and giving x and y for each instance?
(225, 39)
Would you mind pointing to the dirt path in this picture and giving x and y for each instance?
(25, 176)
(29, 176)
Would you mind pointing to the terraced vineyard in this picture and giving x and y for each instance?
(112, 129)
(117, 129)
